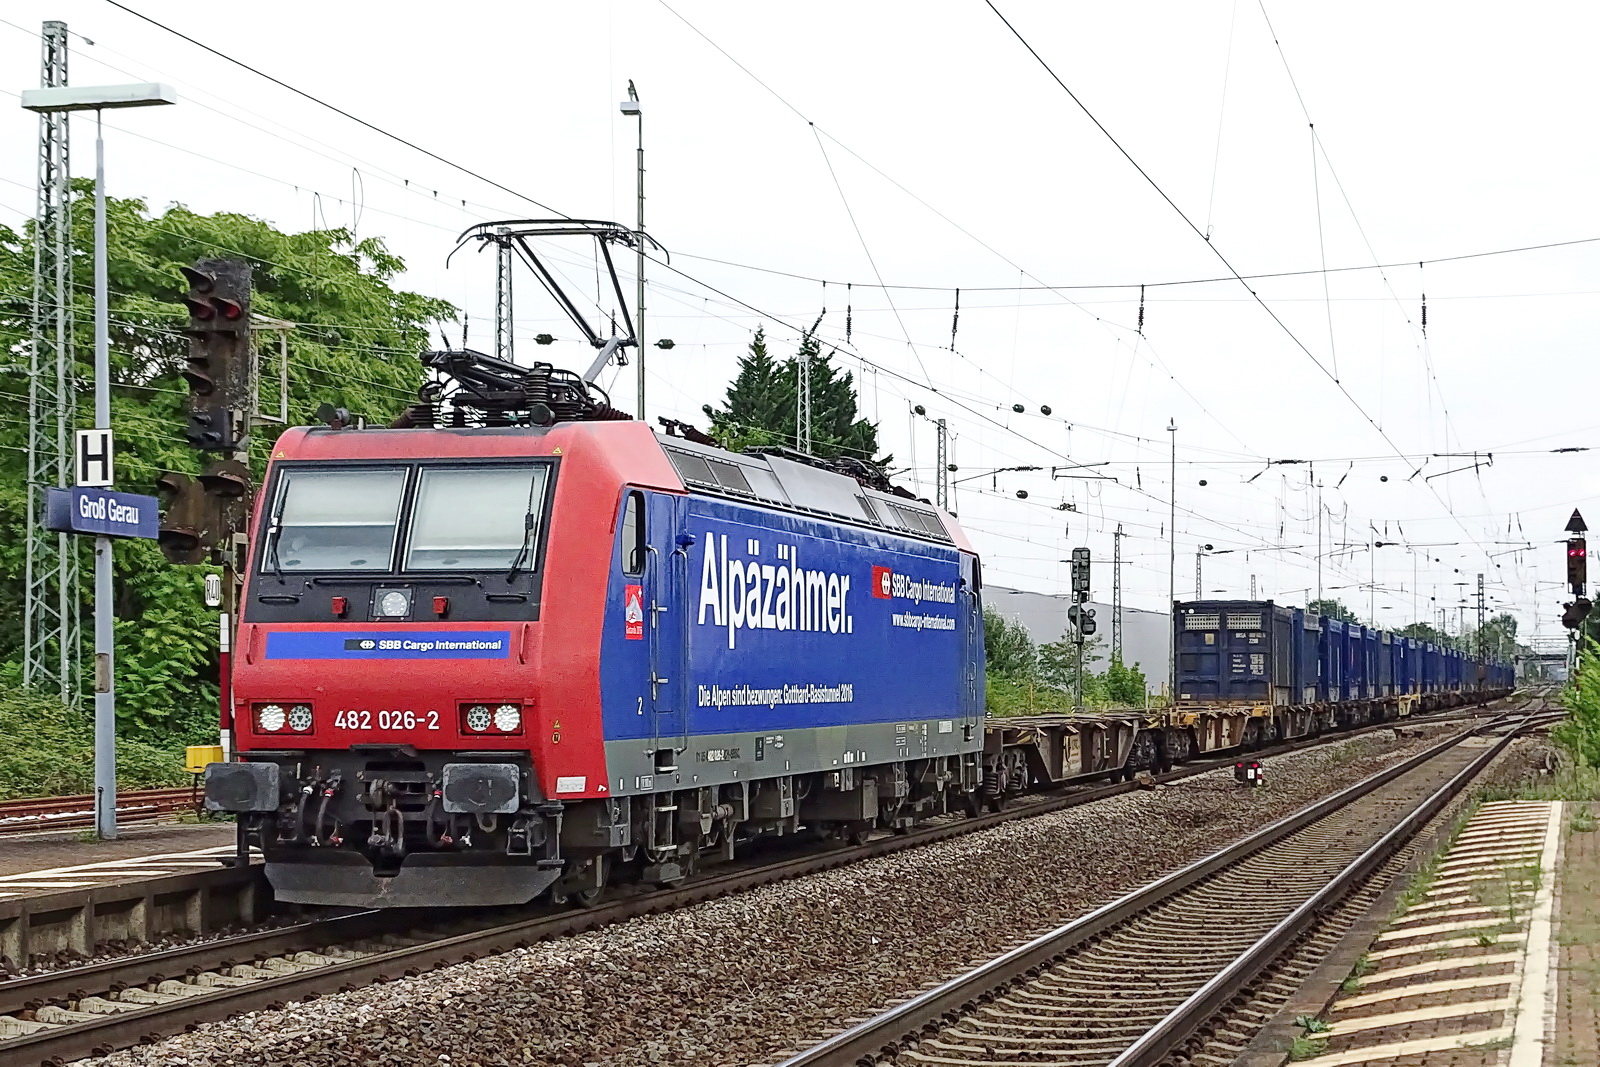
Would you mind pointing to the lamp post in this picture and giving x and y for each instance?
(631, 106)
(1172, 562)
(97, 98)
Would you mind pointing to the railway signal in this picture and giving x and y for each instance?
(218, 364)
(203, 515)
(1577, 563)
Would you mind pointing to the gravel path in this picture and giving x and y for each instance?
(736, 980)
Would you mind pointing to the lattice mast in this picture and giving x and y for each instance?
(503, 343)
(51, 631)
(1116, 594)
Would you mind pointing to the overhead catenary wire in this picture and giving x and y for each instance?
(1299, 344)
(339, 110)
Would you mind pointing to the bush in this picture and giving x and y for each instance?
(48, 750)
(1579, 734)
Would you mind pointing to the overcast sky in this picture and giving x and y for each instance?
(921, 144)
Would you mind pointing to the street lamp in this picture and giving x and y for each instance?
(632, 108)
(97, 98)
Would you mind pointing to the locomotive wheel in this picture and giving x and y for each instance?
(591, 895)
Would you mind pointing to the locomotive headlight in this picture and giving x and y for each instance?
(478, 718)
(300, 718)
(394, 604)
(508, 718)
(270, 718)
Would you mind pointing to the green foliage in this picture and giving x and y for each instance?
(1058, 660)
(1421, 631)
(1333, 609)
(1579, 733)
(49, 751)
(1126, 687)
(1498, 638)
(761, 405)
(354, 345)
(1024, 677)
(1008, 649)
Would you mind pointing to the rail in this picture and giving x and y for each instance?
(74, 1038)
(876, 1039)
(77, 812)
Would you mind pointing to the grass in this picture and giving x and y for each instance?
(1416, 891)
(1490, 1046)
(1307, 1048)
(1568, 782)
(1583, 820)
(1364, 966)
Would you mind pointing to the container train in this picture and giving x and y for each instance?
(520, 645)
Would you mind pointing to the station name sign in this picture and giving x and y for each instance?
(94, 510)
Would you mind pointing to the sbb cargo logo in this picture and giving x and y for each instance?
(883, 583)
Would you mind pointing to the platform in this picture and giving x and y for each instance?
(61, 894)
(1465, 974)
(32, 853)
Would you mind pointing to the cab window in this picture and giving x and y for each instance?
(631, 537)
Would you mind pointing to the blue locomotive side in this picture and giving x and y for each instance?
(769, 643)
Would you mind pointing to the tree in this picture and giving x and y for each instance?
(1007, 648)
(756, 404)
(1421, 631)
(1126, 687)
(354, 344)
(1497, 639)
(1058, 664)
(761, 405)
(1333, 609)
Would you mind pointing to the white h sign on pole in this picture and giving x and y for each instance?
(94, 457)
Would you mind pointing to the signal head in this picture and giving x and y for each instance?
(199, 280)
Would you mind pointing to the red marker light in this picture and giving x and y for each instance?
(339, 605)
(231, 309)
(441, 605)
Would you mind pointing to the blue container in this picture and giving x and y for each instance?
(1234, 652)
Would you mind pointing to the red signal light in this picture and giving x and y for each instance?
(231, 309)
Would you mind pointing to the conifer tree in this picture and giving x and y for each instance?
(761, 405)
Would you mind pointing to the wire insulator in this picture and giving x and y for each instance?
(848, 287)
(1141, 310)
(954, 320)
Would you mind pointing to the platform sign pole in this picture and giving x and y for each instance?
(105, 695)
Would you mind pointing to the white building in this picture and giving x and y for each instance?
(1146, 635)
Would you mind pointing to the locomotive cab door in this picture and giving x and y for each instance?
(972, 680)
(667, 627)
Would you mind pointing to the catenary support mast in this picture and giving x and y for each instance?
(51, 633)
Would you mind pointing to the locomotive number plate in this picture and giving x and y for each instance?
(386, 720)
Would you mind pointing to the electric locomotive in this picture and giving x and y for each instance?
(519, 645)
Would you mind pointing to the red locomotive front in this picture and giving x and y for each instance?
(416, 694)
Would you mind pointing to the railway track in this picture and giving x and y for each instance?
(92, 1009)
(77, 812)
(1140, 981)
